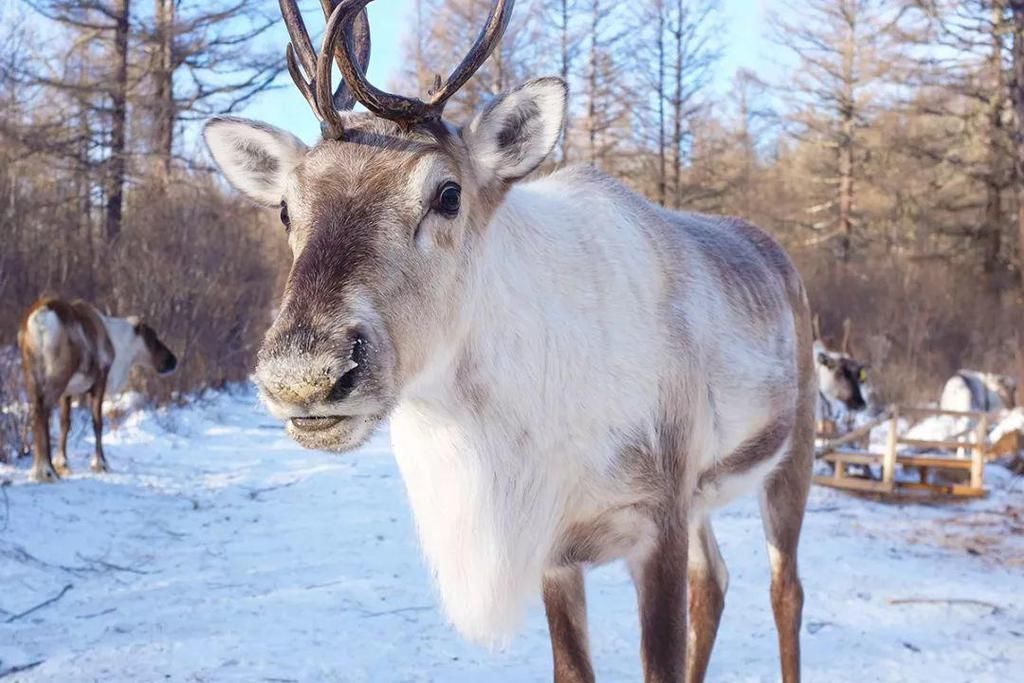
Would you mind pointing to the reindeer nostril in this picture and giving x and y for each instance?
(347, 382)
(359, 349)
(344, 386)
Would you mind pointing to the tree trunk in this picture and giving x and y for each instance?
(1017, 93)
(992, 230)
(844, 151)
(118, 124)
(592, 84)
(165, 114)
(677, 109)
(662, 188)
(565, 74)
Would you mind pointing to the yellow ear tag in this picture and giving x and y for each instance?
(863, 375)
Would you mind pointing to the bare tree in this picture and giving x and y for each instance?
(842, 48)
(203, 60)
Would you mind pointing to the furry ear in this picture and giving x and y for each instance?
(827, 360)
(256, 158)
(513, 134)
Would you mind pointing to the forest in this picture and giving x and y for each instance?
(882, 143)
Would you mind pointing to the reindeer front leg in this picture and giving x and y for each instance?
(660, 578)
(565, 603)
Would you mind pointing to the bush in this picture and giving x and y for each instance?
(916, 323)
(202, 268)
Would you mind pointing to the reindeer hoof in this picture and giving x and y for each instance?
(99, 466)
(43, 475)
(62, 468)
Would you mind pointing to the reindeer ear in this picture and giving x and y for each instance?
(255, 157)
(513, 134)
(827, 360)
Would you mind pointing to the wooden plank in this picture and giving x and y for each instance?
(943, 489)
(858, 433)
(933, 445)
(853, 457)
(938, 411)
(889, 461)
(936, 461)
(969, 491)
(978, 454)
(854, 484)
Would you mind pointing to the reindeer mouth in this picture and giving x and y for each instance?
(336, 433)
(316, 423)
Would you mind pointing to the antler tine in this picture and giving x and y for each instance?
(359, 33)
(305, 66)
(816, 326)
(297, 33)
(304, 86)
(410, 110)
(490, 36)
(847, 330)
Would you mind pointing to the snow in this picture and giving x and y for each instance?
(218, 550)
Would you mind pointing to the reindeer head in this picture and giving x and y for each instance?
(149, 350)
(384, 217)
(841, 377)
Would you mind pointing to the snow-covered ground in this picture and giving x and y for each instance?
(218, 550)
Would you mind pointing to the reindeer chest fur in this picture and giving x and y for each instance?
(543, 443)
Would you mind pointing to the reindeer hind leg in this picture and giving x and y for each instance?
(783, 500)
(708, 579)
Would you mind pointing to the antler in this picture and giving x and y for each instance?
(312, 72)
(411, 110)
(847, 330)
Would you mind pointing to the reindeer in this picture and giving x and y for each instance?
(70, 349)
(843, 385)
(572, 374)
(971, 390)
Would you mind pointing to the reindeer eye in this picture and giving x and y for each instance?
(284, 216)
(448, 199)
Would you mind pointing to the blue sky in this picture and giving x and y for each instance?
(744, 22)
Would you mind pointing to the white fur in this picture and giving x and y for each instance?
(972, 390)
(568, 317)
(243, 149)
(562, 303)
(129, 349)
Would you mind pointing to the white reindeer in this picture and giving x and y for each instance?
(572, 374)
(971, 390)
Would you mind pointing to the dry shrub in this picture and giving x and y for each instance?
(201, 267)
(13, 409)
(916, 323)
(203, 270)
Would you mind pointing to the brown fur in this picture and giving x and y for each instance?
(565, 606)
(82, 347)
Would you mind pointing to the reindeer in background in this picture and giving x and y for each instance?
(572, 374)
(844, 389)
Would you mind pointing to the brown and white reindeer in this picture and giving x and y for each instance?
(572, 374)
(69, 349)
(844, 389)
